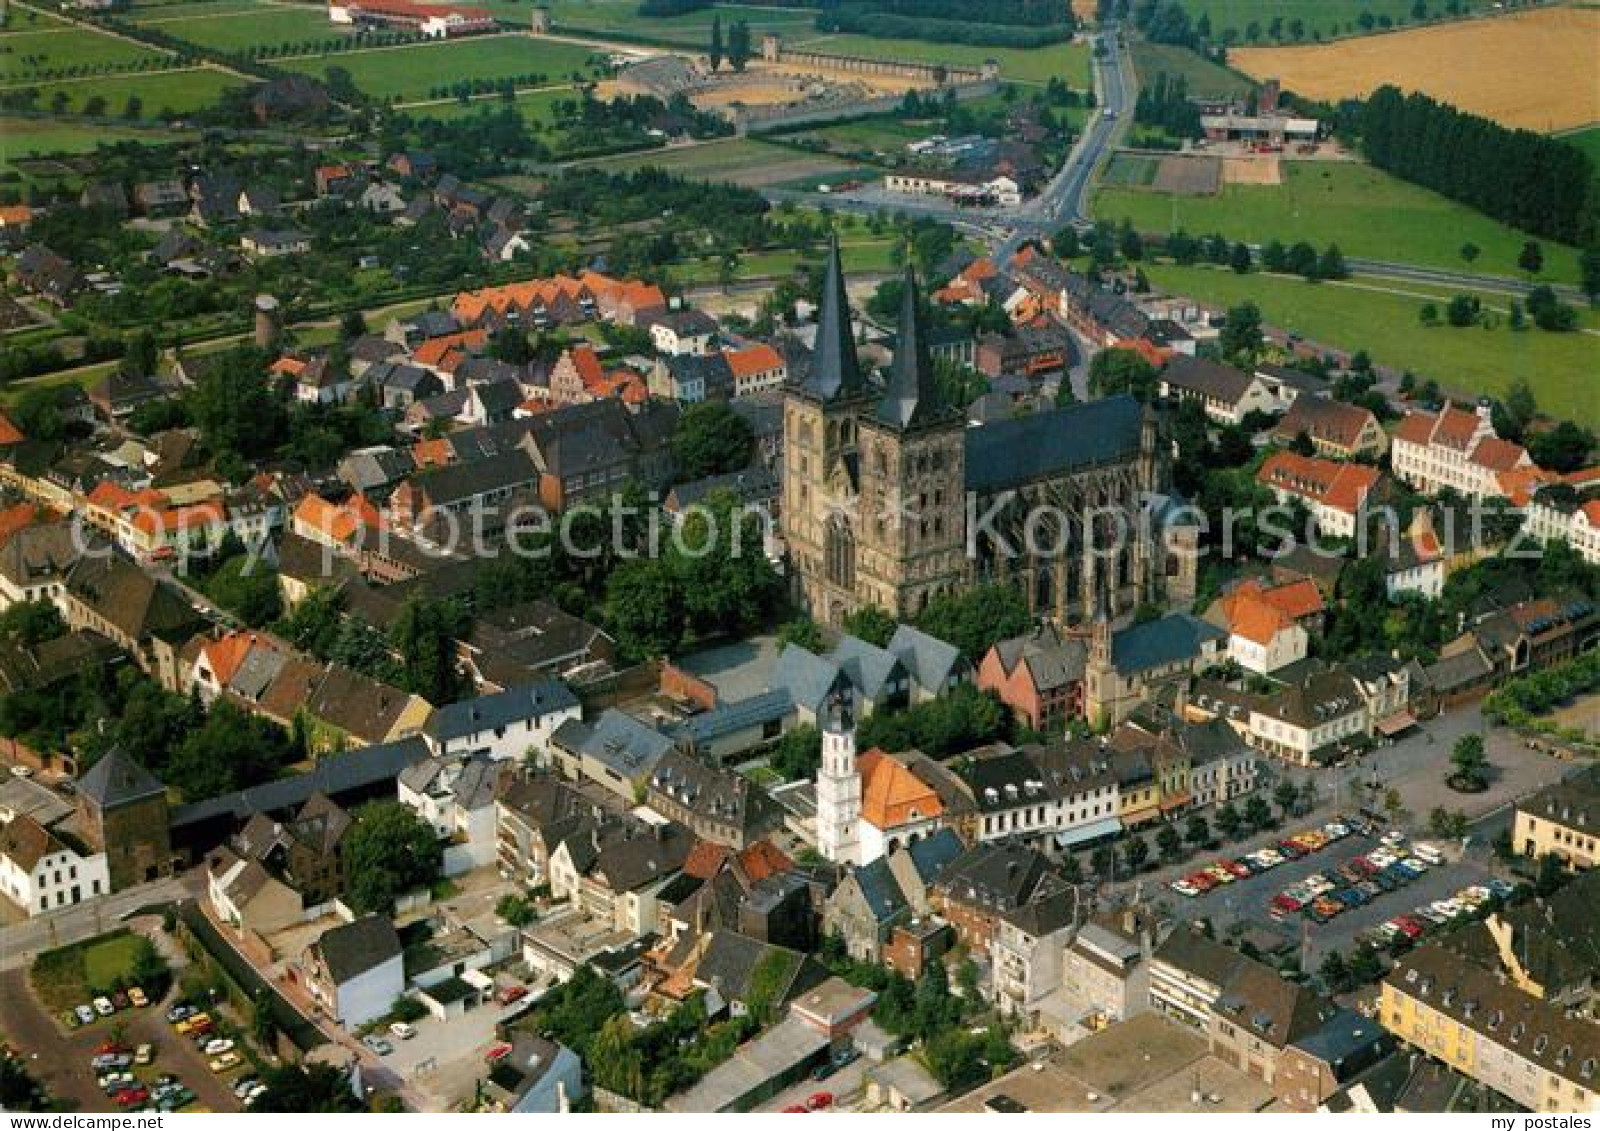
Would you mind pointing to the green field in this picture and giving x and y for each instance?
(532, 105)
(888, 136)
(742, 161)
(1368, 213)
(26, 137)
(59, 51)
(1201, 76)
(1328, 18)
(181, 92)
(621, 18)
(222, 29)
(1587, 140)
(28, 19)
(1130, 170)
(1067, 61)
(1351, 316)
(413, 72)
(71, 975)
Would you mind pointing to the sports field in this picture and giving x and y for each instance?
(223, 27)
(412, 72)
(1534, 69)
(63, 50)
(739, 161)
(1201, 76)
(1367, 212)
(1067, 61)
(181, 92)
(1330, 18)
(1363, 314)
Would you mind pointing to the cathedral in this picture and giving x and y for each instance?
(890, 498)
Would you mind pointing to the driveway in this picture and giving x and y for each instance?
(59, 1058)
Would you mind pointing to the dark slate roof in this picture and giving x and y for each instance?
(655, 853)
(880, 890)
(352, 949)
(752, 485)
(1010, 453)
(116, 779)
(489, 712)
(458, 482)
(617, 740)
(911, 395)
(712, 370)
(730, 962)
(333, 774)
(930, 661)
(1154, 643)
(1347, 1041)
(997, 877)
(933, 854)
(835, 370)
(729, 718)
(1208, 378)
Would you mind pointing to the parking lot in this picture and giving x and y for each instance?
(59, 1058)
(1247, 902)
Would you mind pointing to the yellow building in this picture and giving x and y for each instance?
(1487, 1029)
(1563, 819)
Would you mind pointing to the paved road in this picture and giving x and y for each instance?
(19, 943)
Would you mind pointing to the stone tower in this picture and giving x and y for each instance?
(540, 23)
(122, 811)
(269, 322)
(839, 786)
(912, 458)
(1100, 674)
(821, 476)
(771, 47)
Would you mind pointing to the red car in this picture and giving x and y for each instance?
(130, 1096)
(511, 994)
(1205, 881)
(819, 1100)
(1410, 926)
(795, 1109)
(111, 1048)
(1236, 868)
(498, 1052)
(1285, 902)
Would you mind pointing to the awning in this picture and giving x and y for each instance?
(1108, 826)
(1395, 723)
(1176, 801)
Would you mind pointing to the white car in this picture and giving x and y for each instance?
(103, 1006)
(402, 1030)
(1333, 830)
(1184, 887)
(1428, 852)
(1393, 838)
(1449, 908)
(84, 1013)
(218, 1046)
(22, 771)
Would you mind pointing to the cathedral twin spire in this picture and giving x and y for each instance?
(911, 394)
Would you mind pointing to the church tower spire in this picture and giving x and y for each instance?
(912, 395)
(835, 372)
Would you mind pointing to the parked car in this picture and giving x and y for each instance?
(497, 1052)
(242, 1088)
(136, 995)
(1290, 849)
(103, 1006)
(819, 1100)
(192, 1022)
(1239, 870)
(1428, 852)
(508, 994)
(128, 1097)
(179, 1011)
(402, 1030)
(1500, 887)
(144, 1054)
(83, 1013)
(224, 1062)
(120, 999)
(377, 1044)
(1184, 887)
(217, 1046)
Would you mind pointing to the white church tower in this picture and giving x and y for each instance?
(839, 787)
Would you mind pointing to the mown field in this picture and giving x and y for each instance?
(55, 51)
(621, 17)
(1200, 75)
(413, 72)
(533, 106)
(1534, 69)
(740, 161)
(224, 27)
(1365, 211)
(1365, 314)
(25, 137)
(181, 92)
(1327, 18)
(1066, 61)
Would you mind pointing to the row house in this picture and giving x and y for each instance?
(1561, 513)
(879, 909)
(715, 804)
(561, 300)
(533, 815)
(756, 368)
(1039, 675)
(1336, 430)
(1066, 790)
(1335, 493)
(1226, 394)
(1455, 449)
(467, 490)
(42, 872)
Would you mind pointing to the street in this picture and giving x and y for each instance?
(21, 942)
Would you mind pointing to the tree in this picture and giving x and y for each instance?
(230, 750)
(1531, 258)
(133, 108)
(714, 56)
(739, 45)
(307, 1088)
(1169, 843)
(1257, 814)
(1470, 252)
(1102, 860)
(1239, 259)
(798, 753)
(389, 851)
(871, 624)
(1286, 795)
(1517, 410)
(1428, 314)
(1241, 332)
(1119, 370)
(1065, 244)
(1229, 822)
(1198, 831)
(1589, 270)
(1471, 764)
(1446, 823)
(644, 606)
(515, 910)
(1331, 265)
(352, 325)
(976, 618)
(802, 632)
(248, 588)
(424, 635)
(710, 439)
(1394, 806)
(1333, 972)
(30, 623)
(1551, 875)
(1135, 851)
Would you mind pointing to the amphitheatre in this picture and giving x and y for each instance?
(784, 86)
(1534, 69)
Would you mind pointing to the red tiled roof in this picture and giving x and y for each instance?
(9, 432)
(1497, 454)
(753, 360)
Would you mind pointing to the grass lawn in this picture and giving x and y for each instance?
(1365, 211)
(1201, 75)
(413, 72)
(741, 161)
(25, 137)
(223, 28)
(621, 17)
(178, 91)
(55, 51)
(1329, 17)
(532, 105)
(28, 19)
(1587, 140)
(861, 256)
(1560, 367)
(71, 975)
(1068, 61)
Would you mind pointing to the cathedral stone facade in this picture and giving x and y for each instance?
(889, 498)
